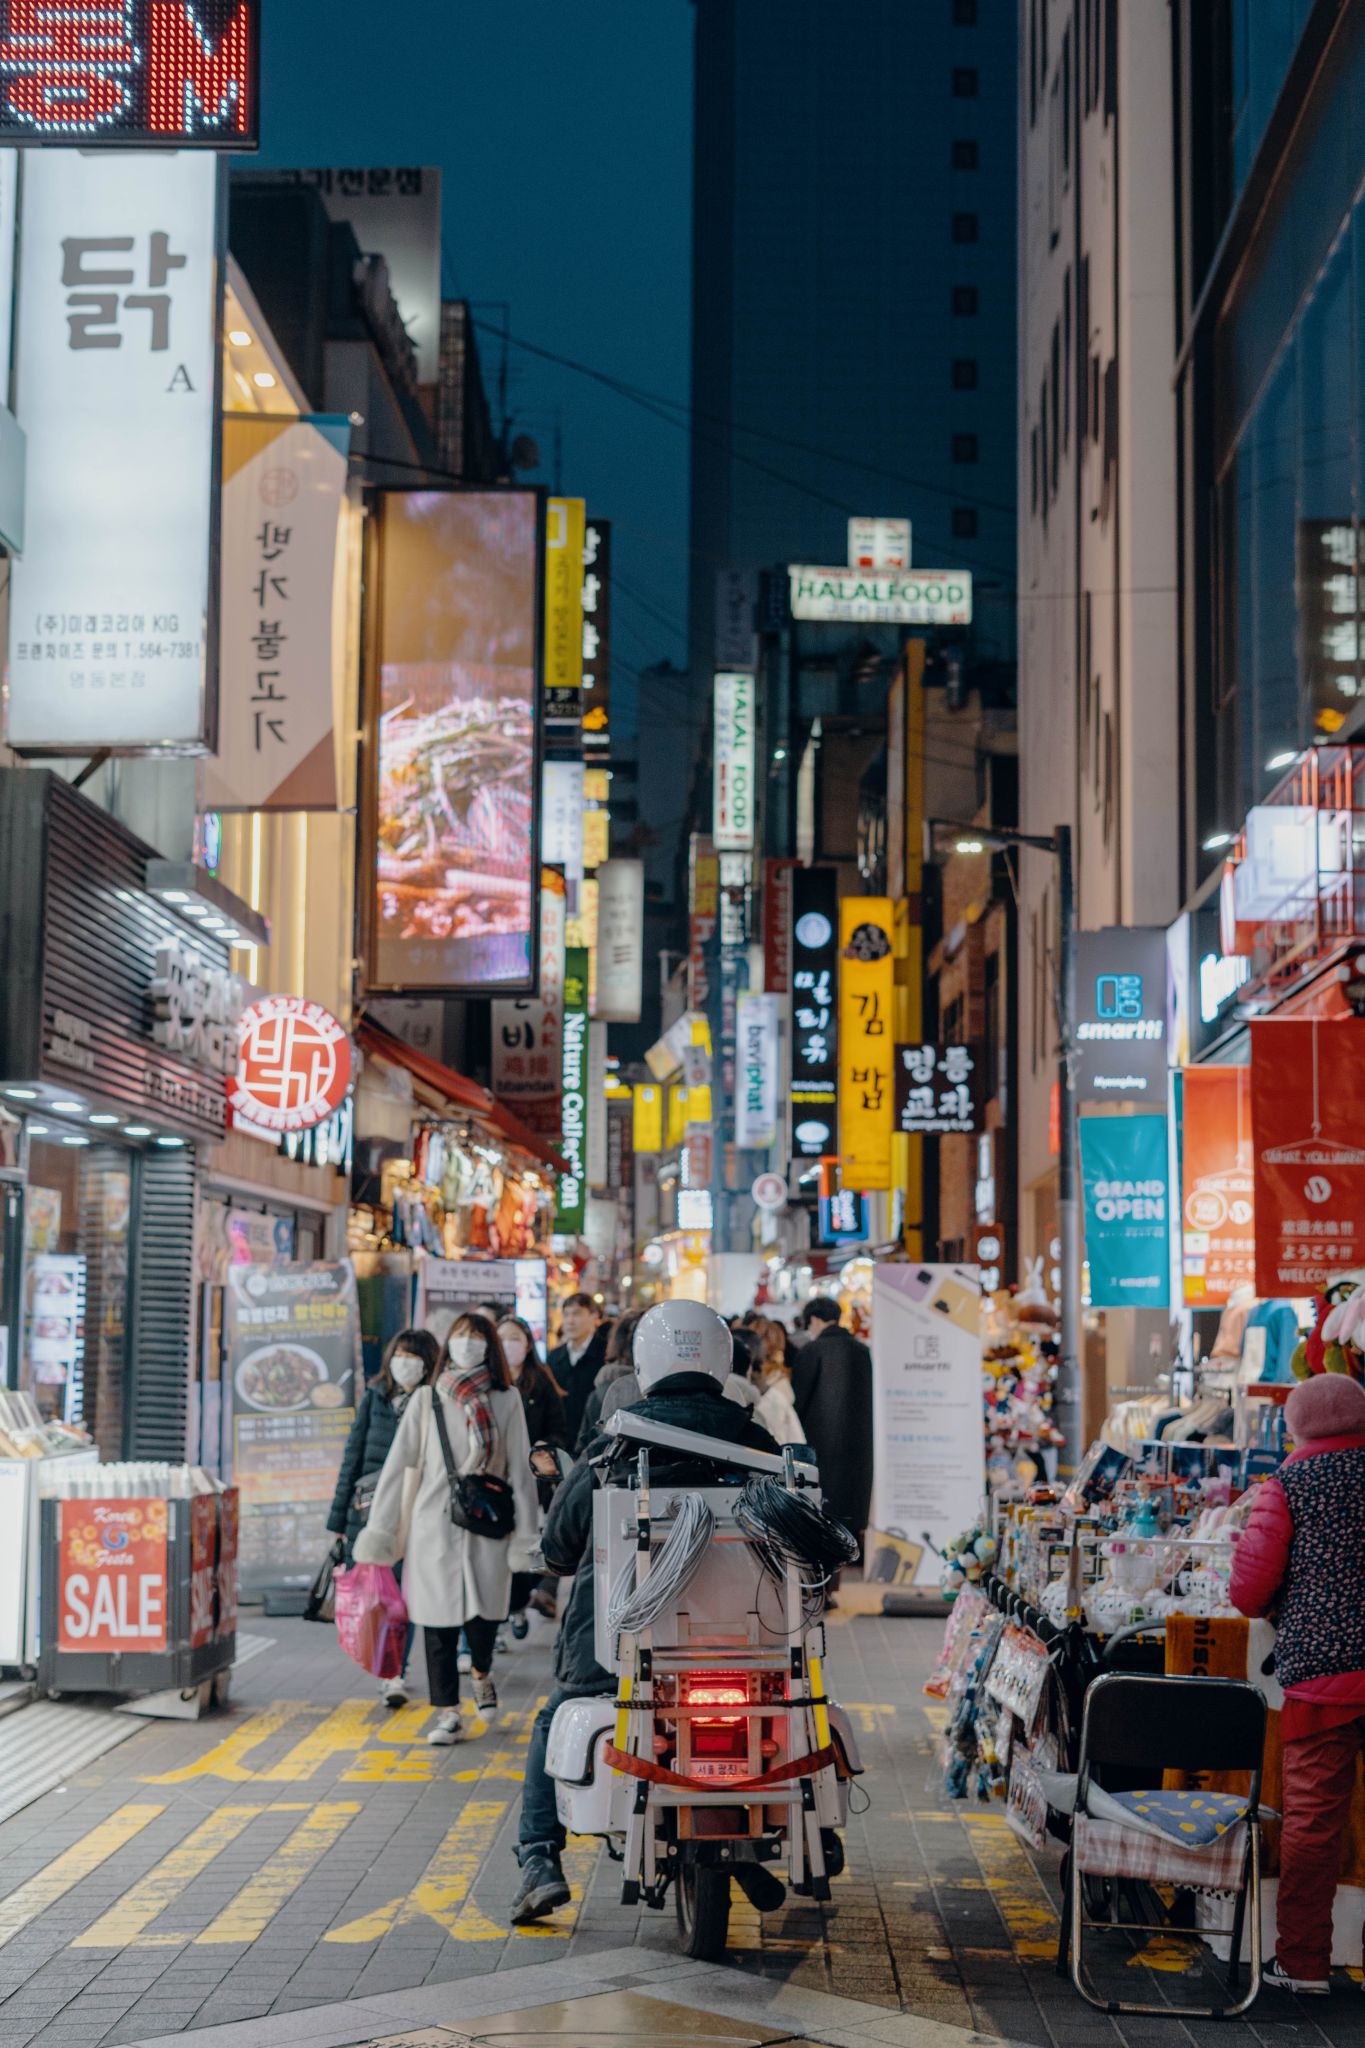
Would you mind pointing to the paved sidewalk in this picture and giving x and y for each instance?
(309, 1851)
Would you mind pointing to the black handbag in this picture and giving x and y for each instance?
(479, 1501)
(362, 1500)
(321, 1603)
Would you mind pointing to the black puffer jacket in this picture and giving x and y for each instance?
(689, 1400)
(614, 1370)
(367, 1446)
(832, 1388)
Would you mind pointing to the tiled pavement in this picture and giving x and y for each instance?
(309, 1849)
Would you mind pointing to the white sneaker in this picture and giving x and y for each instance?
(1276, 1978)
(448, 1728)
(394, 1692)
(486, 1695)
(502, 1642)
(464, 1662)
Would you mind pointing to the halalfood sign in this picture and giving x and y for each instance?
(891, 597)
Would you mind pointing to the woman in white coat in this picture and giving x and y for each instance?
(453, 1580)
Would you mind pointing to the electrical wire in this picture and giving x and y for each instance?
(632, 1608)
(787, 1529)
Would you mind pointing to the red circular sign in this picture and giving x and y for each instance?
(294, 1065)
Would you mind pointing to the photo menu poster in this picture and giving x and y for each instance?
(929, 1479)
(292, 1342)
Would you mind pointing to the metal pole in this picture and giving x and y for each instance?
(1067, 1404)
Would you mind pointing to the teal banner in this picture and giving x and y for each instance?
(1124, 1172)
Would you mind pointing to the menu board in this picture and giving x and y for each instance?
(292, 1365)
(448, 1288)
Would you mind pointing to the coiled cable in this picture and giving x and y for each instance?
(630, 1608)
(785, 1529)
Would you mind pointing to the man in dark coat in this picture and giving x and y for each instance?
(689, 1399)
(578, 1358)
(832, 1389)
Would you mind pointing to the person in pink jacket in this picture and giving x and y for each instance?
(1301, 1558)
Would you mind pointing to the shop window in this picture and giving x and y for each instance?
(966, 227)
(964, 522)
(965, 301)
(965, 448)
(966, 154)
(966, 83)
(964, 13)
(965, 373)
(991, 1040)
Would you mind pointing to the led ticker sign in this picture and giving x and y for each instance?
(173, 74)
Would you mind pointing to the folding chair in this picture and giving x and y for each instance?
(1194, 1840)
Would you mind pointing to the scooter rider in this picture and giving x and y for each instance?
(682, 1354)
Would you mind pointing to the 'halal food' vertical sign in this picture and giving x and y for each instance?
(570, 1203)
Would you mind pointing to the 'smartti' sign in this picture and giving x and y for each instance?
(294, 1065)
(1307, 1119)
(112, 1575)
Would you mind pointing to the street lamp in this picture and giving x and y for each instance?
(950, 834)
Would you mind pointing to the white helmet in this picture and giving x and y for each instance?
(680, 1336)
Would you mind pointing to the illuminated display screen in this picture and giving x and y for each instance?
(451, 793)
(174, 73)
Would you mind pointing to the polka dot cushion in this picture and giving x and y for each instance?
(1194, 1819)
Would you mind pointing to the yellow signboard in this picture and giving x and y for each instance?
(564, 539)
(648, 1118)
(867, 992)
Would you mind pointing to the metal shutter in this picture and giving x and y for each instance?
(156, 1413)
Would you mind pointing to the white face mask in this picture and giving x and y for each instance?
(406, 1369)
(514, 1348)
(466, 1351)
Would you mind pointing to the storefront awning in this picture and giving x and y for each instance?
(477, 1102)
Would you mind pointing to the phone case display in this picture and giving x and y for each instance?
(54, 1331)
(32, 1453)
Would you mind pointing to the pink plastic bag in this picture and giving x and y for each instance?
(372, 1622)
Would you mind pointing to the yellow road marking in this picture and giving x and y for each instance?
(224, 1760)
(1016, 1886)
(501, 1764)
(936, 1714)
(1167, 1952)
(71, 1866)
(163, 1885)
(346, 1729)
(443, 1888)
(247, 1916)
(405, 1724)
(865, 1713)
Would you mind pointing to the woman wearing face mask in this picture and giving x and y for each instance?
(543, 1399)
(410, 1361)
(454, 1580)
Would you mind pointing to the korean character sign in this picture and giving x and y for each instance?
(1307, 1117)
(112, 614)
(867, 988)
(939, 1090)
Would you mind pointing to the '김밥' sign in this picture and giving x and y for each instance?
(294, 1065)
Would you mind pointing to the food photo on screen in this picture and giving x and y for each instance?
(455, 757)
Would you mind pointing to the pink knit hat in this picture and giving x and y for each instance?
(1328, 1404)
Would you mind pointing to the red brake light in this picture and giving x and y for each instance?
(716, 1689)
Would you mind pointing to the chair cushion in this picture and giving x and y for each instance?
(1191, 1819)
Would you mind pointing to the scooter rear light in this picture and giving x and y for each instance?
(716, 1689)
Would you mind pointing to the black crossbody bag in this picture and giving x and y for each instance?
(479, 1501)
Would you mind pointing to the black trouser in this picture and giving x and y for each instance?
(443, 1657)
(523, 1584)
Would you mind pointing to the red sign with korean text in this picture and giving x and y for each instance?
(294, 1065)
(203, 1535)
(115, 73)
(1218, 1242)
(229, 1516)
(112, 1591)
(1308, 1137)
(777, 926)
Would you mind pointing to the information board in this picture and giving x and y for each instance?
(929, 1479)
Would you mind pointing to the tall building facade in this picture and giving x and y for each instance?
(853, 304)
(1099, 714)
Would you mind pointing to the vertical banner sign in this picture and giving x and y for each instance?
(283, 485)
(9, 186)
(620, 941)
(647, 1118)
(1307, 1121)
(528, 1032)
(597, 635)
(1216, 1184)
(597, 1106)
(867, 992)
(703, 912)
(929, 1473)
(571, 1200)
(292, 1340)
(1124, 1169)
(561, 821)
(116, 387)
(733, 762)
(564, 538)
(777, 926)
(815, 1030)
(756, 1081)
(1121, 1016)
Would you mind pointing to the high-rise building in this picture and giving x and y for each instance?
(853, 291)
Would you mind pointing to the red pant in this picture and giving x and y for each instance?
(1319, 1778)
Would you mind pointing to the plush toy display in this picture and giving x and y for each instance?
(1336, 1343)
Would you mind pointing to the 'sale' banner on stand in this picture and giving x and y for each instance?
(1124, 1172)
(1308, 1135)
(1216, 1176)
(929, 1476)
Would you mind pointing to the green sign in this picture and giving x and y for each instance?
(570, 1203)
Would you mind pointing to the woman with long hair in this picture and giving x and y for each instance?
(453, 1579)
(775, 1407)
(543, 1399)
(410, 1362)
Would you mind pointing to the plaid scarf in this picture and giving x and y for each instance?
(470, 1386)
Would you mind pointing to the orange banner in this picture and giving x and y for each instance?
(112, 1575)
(1216, 1181)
